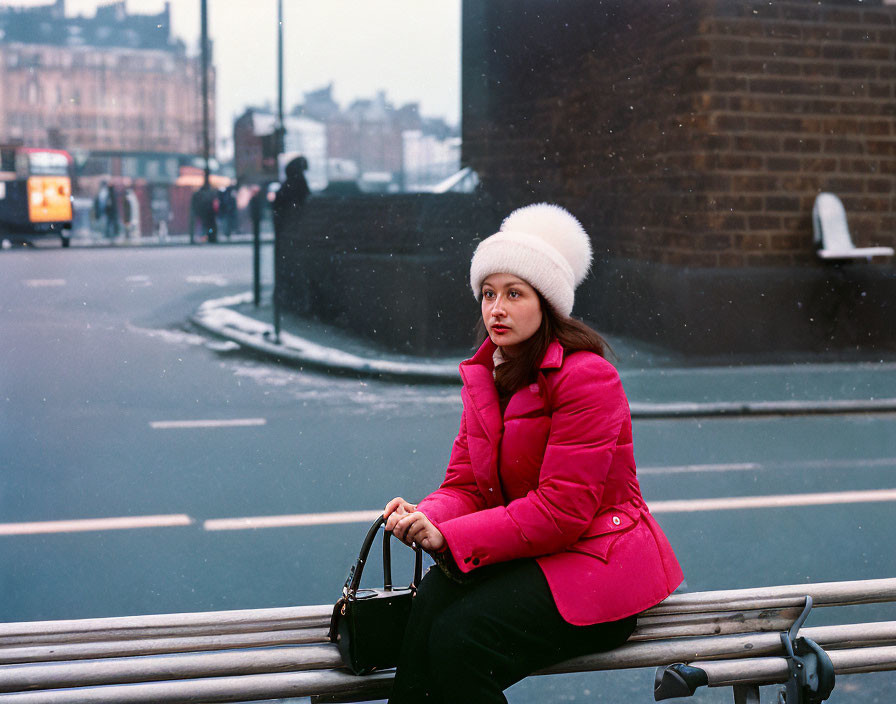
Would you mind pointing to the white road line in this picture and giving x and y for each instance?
(213, 279)
(227, 423)
(773, 501)
(44, 283)
(686, 506)
(859, 463)
(90, 524)
(688, 468)
(346, 517)
(302, 519)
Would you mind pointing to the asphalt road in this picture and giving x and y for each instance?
(112, 406)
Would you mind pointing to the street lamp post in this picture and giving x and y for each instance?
(195, 204)
(204, 54)
(280, 140)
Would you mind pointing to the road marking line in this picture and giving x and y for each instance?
(228, 423)
(90, 524)
(346, 517)
(721, 504)
(835, 464)
(686, 468)
(302, 519)
(773, 501)
(779, 466)
(213, 279)
(43, 283)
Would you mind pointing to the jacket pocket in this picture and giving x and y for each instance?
(607, 527)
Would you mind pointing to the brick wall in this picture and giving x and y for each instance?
(689, 133)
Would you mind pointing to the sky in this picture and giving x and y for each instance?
(409, 48)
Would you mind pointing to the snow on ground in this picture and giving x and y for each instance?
(352, 394)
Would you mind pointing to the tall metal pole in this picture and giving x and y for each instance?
(280, 140)
(206, 149)
(282, 132)
(196, 205)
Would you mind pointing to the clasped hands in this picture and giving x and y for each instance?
(410, 526)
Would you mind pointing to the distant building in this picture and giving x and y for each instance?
(370, 142)
(114, 81)
(255, 147)
(118, 92)
(427, 159)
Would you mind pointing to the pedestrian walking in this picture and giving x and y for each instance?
(131, 213)
(227, 211)
(544, 545)
(111, 212)
(99, 207)
(204, 207)
(292, 194)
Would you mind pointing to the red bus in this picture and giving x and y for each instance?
(35, 193)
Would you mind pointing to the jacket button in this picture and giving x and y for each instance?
(491, 489)
(466, 560)
(475, 560)
(616, 520)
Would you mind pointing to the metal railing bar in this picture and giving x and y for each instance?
(297, 615)
(822, 593)
(170, 632)
(688, 650)
(157, 646)
(169, 667)
(276, 659)
(726, 673)
(763, 670)
(215, 689)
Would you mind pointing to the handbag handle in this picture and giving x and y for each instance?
(354, 577)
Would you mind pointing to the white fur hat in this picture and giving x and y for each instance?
(542, 244)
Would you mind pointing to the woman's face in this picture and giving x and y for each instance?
(511, 310)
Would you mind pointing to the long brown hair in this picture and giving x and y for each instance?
(522, 368)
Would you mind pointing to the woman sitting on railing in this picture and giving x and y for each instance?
(546, 547)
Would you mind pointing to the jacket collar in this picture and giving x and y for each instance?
(479, 382)
(553, 358)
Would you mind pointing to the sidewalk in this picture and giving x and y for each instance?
(182, 240)
(93, 240)
(659, 383)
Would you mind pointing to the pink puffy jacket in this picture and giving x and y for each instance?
(555, 479)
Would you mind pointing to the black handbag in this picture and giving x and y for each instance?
(368, 624)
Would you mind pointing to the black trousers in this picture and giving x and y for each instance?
(469, 642)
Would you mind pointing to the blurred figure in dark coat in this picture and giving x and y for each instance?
(227, 211)
(111, 212)
(292, 194)
(204, 207)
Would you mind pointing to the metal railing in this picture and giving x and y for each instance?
(251, 655)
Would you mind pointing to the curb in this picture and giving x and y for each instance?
(217, 318)
(151, 241)
(761, 408)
